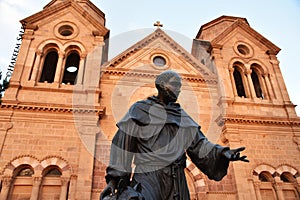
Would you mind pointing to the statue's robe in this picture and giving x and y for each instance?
(154, 139)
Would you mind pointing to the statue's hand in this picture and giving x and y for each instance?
(234, 154)
(108, 190)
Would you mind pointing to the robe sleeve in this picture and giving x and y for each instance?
(208, 157)
(121, 155)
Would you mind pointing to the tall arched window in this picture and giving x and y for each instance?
(266, 190)
(256, 84)
(239, 82)
(289, 186)
(22, 183)
(49, 67)
(51, 185)
(71, 68)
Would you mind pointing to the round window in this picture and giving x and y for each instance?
(243, 49)
(159, 61)
(66, 30)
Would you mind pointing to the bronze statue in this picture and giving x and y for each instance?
(156, 134)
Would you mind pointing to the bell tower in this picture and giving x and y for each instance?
(247, 68)
(256, 111)
(53, 103)
(58, 44)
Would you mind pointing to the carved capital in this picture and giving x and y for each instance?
(64, 181)
(39, 52)
(73, 177)
(265, 74)
(274, 62)
(61, 54)
(257, 184)
(6, 181)
(231, 69)
(36, 180)
(248, 71)
(83, 56)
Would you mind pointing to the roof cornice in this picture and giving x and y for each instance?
(219, 20)
(158, 33)
(239, 23)
(251, 120)
(50, 10)
(152, 75)
(99, 110)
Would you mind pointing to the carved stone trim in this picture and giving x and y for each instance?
(145, 42)
(100, 110)
(259, 121)
(152, 76)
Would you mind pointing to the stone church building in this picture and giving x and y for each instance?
(58, 116)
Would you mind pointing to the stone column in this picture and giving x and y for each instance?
(64, 188)
(257, 190)
(231, 70)
(59, 67)
(86, 160)
(277, 184)
(35, 188)
(297, 186)
(36, 66)
(269, 86)
(81, 69)
(72, 187)
(6, 184)
(278, 82)
(250, 83)
(264, 88)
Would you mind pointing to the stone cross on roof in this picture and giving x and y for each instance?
(158, 24)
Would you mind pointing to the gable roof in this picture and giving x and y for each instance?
(218, 20)
(97, 19)
(167, 41)
(272, 48)
(237, 22)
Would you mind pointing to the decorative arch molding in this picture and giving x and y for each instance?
(286, 168)
(18, 161)
(264, 167)
(57, 161)
(235, 60)
(198, 177)
(279, 169)
(37, 165)
(79, 46)
(262, 68)
(51, 41)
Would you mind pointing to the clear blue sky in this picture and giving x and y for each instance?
(277, 20)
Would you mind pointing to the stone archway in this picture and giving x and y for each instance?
(196, 182)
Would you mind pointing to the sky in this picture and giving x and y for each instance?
(276, 20)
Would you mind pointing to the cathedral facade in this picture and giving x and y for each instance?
(65, 96)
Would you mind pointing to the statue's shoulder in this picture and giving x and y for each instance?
(143, 104)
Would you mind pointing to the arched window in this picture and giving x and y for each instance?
(49, 67)
(22, 183)
(51, 185)
(239, 82)
(265, 177)
(256, 84)
(289, 186)
(71, 68)
(266, 189)
(54, 172)
(27, 171)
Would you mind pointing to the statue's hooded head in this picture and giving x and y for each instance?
(168, 84)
